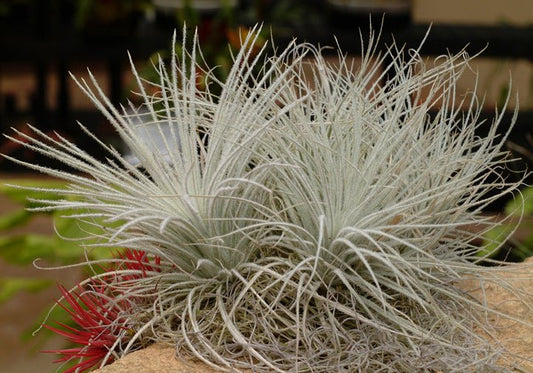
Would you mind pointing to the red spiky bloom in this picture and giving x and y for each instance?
(98, 328)
(98, 317)
(138, 260)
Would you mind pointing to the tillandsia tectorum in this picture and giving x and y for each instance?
(320, 228)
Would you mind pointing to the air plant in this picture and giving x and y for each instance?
(99, 329)
(97, 309)
(304, 222)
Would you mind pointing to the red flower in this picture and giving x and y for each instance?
(138, 260)
(99, 319)
(98, 323)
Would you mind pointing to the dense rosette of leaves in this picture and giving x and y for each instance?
(310, 222)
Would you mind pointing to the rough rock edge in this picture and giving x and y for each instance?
(157, 358)
(515, 337)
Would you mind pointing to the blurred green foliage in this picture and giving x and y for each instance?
(498, 242)
(23, 248)
(61, 248)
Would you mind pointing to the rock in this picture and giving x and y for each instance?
(513, 335)
(157, 358)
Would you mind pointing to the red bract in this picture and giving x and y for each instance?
(98, 318)
(138, 260)
(98, 328)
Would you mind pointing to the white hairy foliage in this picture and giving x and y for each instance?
(321, 229)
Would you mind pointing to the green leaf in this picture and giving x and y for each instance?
(514, 207)
(24, 249)
(70, 228)
(10, 286)
(22, 195)
(14, 219)
(494, 239)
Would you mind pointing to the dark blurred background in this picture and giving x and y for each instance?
(41, 41)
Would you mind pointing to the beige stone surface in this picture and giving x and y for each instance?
(155, 359)
(515, 336)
